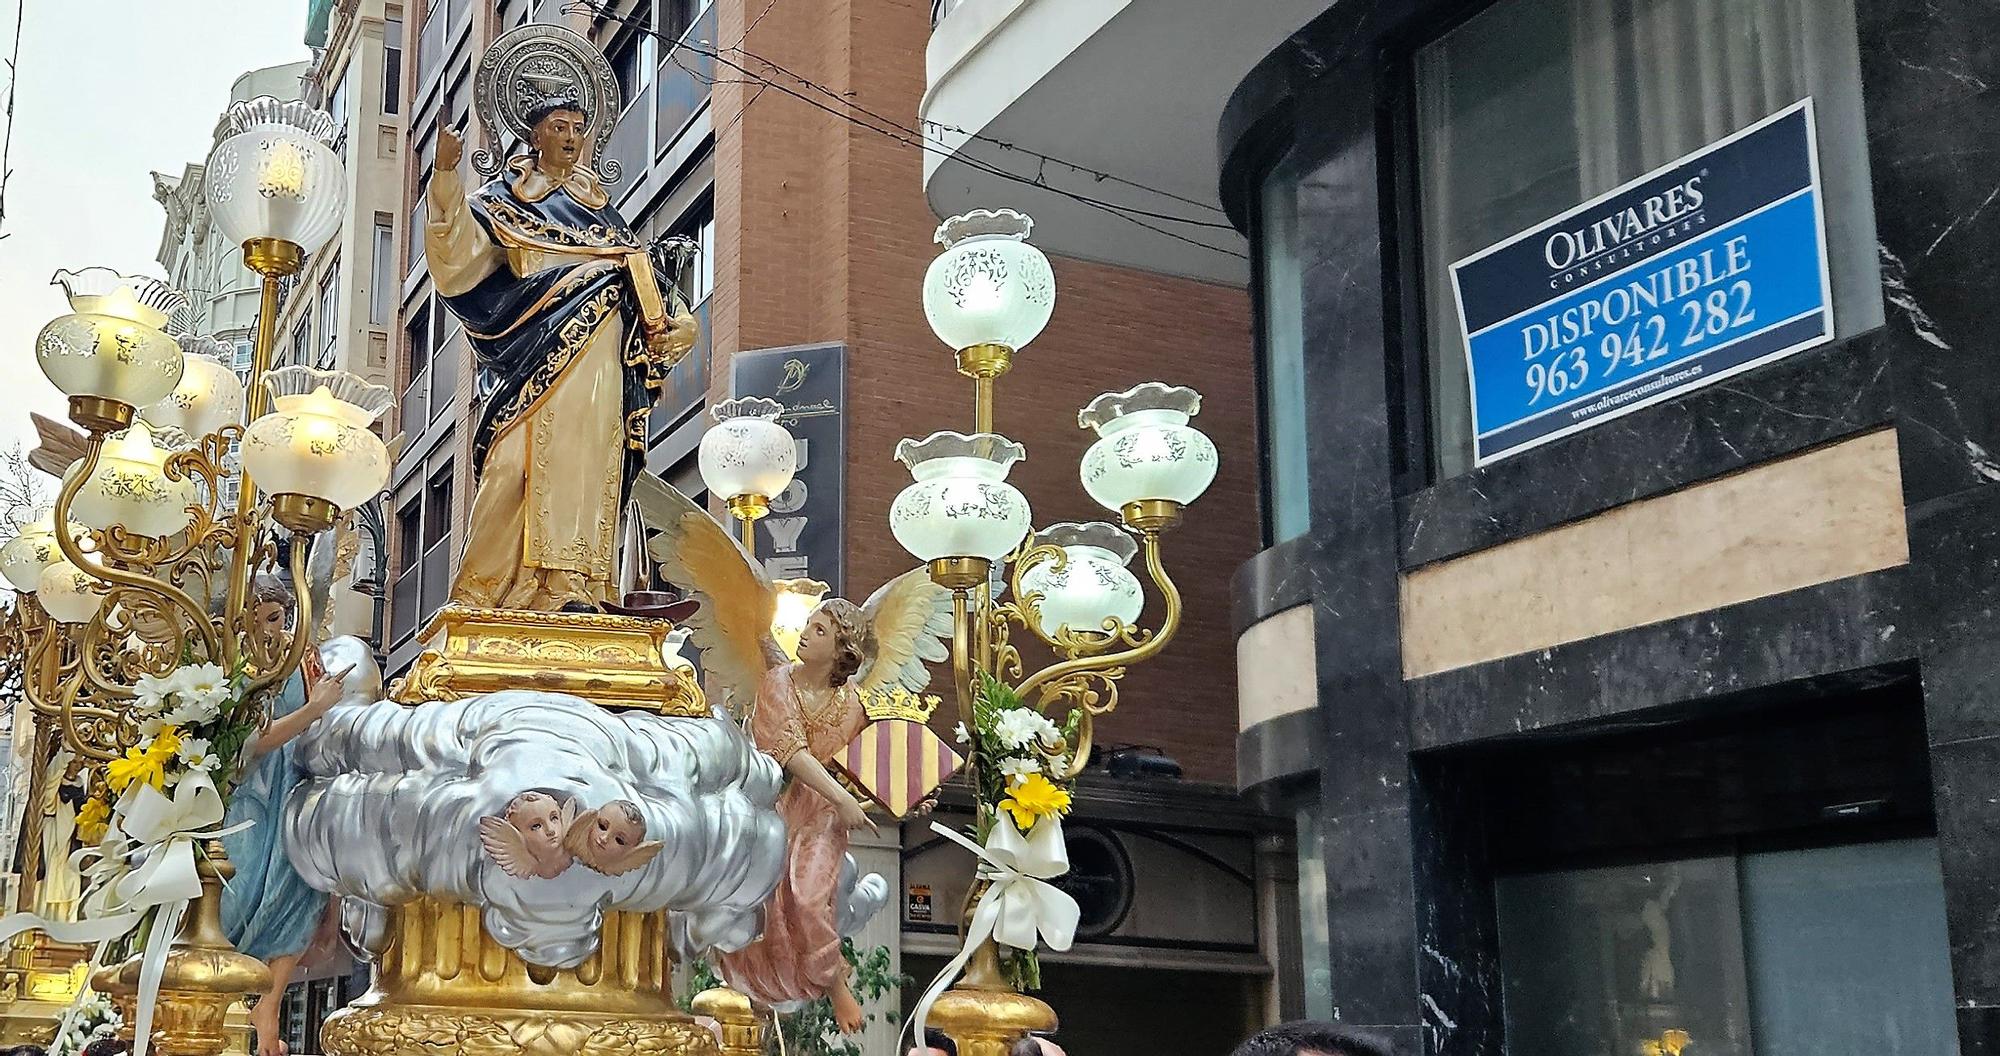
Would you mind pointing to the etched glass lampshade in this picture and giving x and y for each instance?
(317, 441)
(129, 487)
(209, 395)
(1146, 450)
(746, 451)
(68, 593)
(1093, 585)
(276, 176)
(989, 286)
(111, 345)
(26, 555)
(961, 504)
(796, 600)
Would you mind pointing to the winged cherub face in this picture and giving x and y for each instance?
(527, 839)
(612, 838)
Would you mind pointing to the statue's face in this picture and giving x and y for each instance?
(558, 139)
(820, 639)
(616, 830)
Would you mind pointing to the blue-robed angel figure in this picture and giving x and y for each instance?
(268, 910)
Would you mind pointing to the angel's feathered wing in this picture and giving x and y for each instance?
(911, 616)
(732, 629)
(505, 846)
(60, 446)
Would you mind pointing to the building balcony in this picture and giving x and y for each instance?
(1133, 88)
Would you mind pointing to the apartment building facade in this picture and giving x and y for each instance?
(1628, 688)
(746, 127)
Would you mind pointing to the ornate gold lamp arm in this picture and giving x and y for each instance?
(109, 572)
(1050, 680)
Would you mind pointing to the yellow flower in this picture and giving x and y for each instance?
(166, 744)
(93, 820)
(138, 765)
(1034, 797)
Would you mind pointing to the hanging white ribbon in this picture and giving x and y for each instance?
(158, 833)
(1019, 907)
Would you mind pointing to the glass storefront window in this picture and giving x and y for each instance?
(1282, 354)
(1315, 953)
(1536, 106)
(1821, 950)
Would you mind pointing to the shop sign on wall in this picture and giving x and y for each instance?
(1705, 268)
(801, 538)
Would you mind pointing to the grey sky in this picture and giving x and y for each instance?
(110, 91)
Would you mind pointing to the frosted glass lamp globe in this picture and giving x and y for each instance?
(989, 286)
(1146, 451)
(111, 346)
(960, 505)
(747, 452)
(317, 442)
(1093, 586)
(209, 395)
(129, 487)
(276, 175)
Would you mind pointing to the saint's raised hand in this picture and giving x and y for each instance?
(451, 147)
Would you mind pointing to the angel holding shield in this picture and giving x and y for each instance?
(802, 713)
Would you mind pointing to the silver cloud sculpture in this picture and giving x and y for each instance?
(390, 812)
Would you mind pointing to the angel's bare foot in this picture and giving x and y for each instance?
(846, 1010)
(264, 1020)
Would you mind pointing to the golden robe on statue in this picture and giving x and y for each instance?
(558, 298)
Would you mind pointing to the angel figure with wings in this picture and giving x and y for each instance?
(801, 712)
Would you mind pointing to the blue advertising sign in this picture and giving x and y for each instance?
(1702, 269)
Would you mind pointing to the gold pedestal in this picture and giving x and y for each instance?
(983, 1014)
(742, 1031)
(611, 661)
(204, 982)
(444, 986)
(37, 989)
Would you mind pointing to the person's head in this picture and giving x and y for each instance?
(271, 604)
(936, 1043)
(107, 1047)
(556, 128)
(837, 635)
(1308, 1037)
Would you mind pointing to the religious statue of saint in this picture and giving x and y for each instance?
(573, 319)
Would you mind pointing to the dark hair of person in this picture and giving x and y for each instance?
(1308, 1037)
(939, 1040)
(550, 104)
(107, 1047)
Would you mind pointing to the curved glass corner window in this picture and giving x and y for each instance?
(1282, 356)
(1534, 107)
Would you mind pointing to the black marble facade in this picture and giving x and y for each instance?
(1414, 951)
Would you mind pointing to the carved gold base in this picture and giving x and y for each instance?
(742, 1031)
(444, 986)
(202, 989)
(611, 661)
(989, 1022)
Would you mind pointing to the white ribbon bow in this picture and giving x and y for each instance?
(1020, 906)
(158, 833)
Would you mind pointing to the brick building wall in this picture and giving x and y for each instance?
(824, 235)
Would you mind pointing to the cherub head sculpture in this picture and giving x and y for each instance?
(612, 838)
(527, 838)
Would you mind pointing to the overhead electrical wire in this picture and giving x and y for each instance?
(914, 138)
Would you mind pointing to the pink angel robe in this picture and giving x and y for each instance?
(798, 956)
